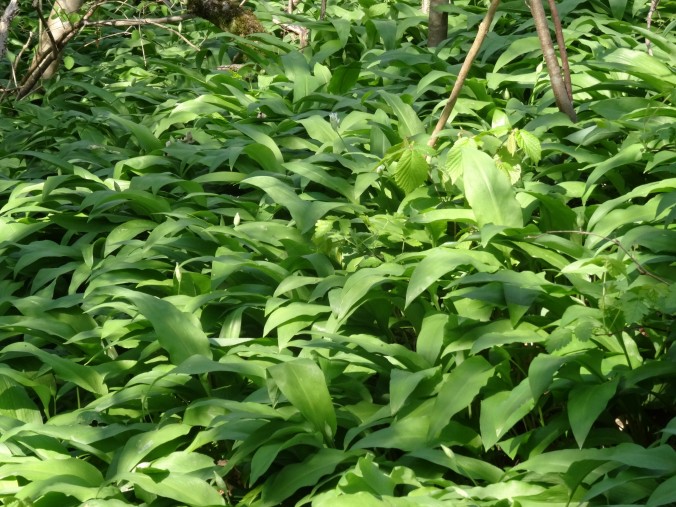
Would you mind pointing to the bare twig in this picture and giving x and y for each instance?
(649, 22)
(464, 71)
(175, 32)
(18, 57)
(561, 43)
(639, 267)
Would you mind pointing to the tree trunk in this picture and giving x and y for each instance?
(438, 23)
(558, 86)
(6, 19)
(58, 25)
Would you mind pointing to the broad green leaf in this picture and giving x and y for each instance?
(628, 155)
(292, 311)
(664, 494)
(142, 134)
(405, 434)
(458, 390)
(465, 466)
(585, 404)
(409, 122)
(182, 488)
(500, 412)
(84, 376)
(15, 402)
(518, 48)
(140, 445)
(359, 284)
(39, 470)
(541, 372)
(266, 454)
(403, 383)
(304, 385)
(305, 213)
(431, 336)
(440, 261)
(179, 333)
(307, 473)
(487, 189)
(412, 169)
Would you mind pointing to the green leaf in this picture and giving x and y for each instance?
(502, 411)
(84, 376)
(439, 261)
(409, 123)
(517, 49)
(403, 383)
(68, 62)
(664, 493)
(412, 169)
(182, 488)
(142, 134)
(458, 390)
(359, 284)
(179, 333)
(308, 473)
(530, 144)
(431, 336)
(304, 385)
(585, 404)
(15, 402)
(487, 189)
(139, 446)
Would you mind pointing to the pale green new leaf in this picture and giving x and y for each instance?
(412, 169)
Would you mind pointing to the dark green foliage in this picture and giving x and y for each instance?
(261, 288)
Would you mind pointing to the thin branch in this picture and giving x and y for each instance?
(175, 32)
(649, 22)
(639, 267)
(45, 24)
(464, 71)
(561, 43)
(18, 57)
(138, 21)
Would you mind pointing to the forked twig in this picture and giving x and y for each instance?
(640, 268)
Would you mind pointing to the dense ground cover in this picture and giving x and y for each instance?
(258, 286)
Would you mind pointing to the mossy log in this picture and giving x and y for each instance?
(227, 15)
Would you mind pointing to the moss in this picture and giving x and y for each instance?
(227, 15)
